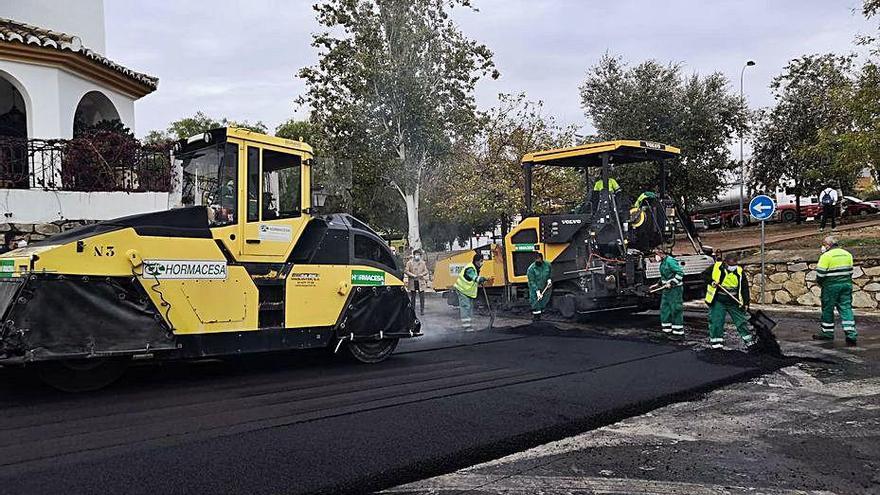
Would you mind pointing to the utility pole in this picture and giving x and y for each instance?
(742, 165)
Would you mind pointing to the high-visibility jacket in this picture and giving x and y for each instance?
(835, 265)
(612, 185)
(465, 286)
(735, 283)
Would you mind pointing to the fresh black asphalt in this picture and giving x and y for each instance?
(303, 423)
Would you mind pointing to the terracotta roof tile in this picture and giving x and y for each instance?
(18, 32)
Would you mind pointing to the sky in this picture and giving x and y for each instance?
(238, 59)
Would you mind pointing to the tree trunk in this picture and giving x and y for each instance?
(797, 204)
(412, 219)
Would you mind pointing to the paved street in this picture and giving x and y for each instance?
(809, 427)
(303, 423)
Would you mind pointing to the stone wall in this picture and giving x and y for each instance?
(32, 232)
(792, 281)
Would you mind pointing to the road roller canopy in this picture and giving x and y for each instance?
(590, 155)
(242, 176)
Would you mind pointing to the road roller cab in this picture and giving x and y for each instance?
(241, 263)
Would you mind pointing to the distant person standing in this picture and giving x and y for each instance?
(828, 200)
(540, 284)
(417, 279)
(834, 274)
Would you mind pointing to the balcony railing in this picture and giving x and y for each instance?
(99, 162)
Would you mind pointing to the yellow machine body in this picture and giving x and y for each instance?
(245, 259)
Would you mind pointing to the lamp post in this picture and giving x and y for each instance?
(742, 165)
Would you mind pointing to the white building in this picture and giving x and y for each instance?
(54, 77)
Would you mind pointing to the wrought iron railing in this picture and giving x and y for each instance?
(98, 162)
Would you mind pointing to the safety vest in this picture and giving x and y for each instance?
(465, 286)
(834, 265)
(612, 185)
(731, 282)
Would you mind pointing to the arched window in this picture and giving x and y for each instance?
(93, 108)
(13, 136)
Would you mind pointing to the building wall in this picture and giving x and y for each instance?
(51, 96)
(32, 206)
(83, 18)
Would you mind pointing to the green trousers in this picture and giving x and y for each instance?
(538, 305)
(838, 294)
(672, 311)
(465, 311)
(718, 310)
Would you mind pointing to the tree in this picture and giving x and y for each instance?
(484, 187)
(197, 124)
(302, 130)
(802, 139)
(863, 143)
(393, 90)
(656, 102)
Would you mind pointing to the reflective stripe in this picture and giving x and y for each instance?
(747, 338)
(828, 325)
(666, 324)
(677, 326)
(678, 332)
(849, 322)
(716, 339)
(717, 346)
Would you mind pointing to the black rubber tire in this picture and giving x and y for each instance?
(372, 352)
(789, 216)
(81, 375)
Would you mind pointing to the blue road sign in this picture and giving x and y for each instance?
(762, 207)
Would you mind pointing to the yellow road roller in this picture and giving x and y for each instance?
(242, 263)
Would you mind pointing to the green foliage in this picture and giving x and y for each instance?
(803, 138)
(484, 186)
(197, 124)
(393, 93)
(657, 102)
(302, 130)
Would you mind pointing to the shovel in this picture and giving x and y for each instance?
(489, 306)
(763, 326)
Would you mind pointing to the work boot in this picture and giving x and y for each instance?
(823, 337)
(851, 342)
(536, 316)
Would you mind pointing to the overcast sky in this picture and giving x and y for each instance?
(238, 59)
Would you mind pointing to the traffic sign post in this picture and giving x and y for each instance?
(761, 208)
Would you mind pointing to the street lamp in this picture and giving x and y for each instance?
(742, 165)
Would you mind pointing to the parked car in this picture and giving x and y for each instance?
(851, 206)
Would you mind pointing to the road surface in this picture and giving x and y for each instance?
(302, 423)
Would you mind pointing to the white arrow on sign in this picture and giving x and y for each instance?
(761, 208)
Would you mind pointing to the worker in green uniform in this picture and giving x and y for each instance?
(671, 299)
(466, 286)
(643, 197)
(727, 279)
(834, 276)
(540, 284)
